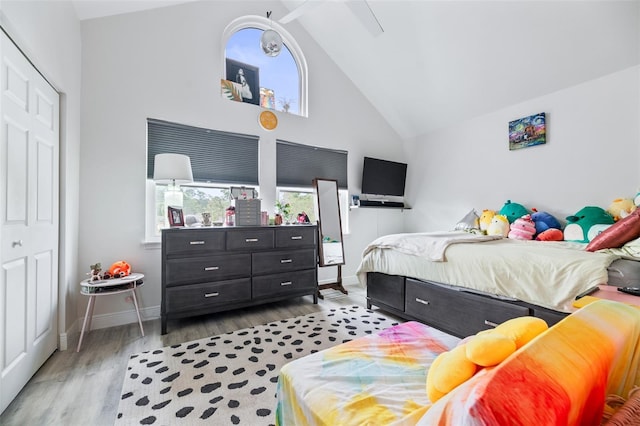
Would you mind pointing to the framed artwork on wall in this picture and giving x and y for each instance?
(176, 217)
(247, 79)
(528, 131)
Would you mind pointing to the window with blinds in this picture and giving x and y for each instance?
(216, 156)
(297, 165)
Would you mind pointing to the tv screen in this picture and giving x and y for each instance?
(382, 177)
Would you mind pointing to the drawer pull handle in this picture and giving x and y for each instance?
(251, 240)
(211, 268)
(216, 294)
(424, 302)
(196, 243)
(296, 237)
(286, 260)
(286, 283)
(491, 323)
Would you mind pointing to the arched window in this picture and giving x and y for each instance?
(282, 79)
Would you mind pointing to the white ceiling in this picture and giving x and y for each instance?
(439, 62)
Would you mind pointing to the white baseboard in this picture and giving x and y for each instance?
(350, 280)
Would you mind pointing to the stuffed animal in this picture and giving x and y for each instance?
(120, 269)
(551, 234)
(621, 208)
(469, 222)
(95, 272)
(499, 225)
(513, 211)
(485, 219)
(586, 224)
(522, 228)
(544, 221)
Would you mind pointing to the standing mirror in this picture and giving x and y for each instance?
(331, 249)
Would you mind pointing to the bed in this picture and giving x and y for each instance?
(463, 283)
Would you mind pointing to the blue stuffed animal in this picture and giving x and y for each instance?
(544, 221)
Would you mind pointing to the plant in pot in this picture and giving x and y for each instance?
(284, 209)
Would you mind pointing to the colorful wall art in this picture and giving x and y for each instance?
(527, 131)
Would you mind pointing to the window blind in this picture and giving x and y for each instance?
(297, 164)
(216, 156)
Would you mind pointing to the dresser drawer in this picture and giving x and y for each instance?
(459, 313)
(292, 282)
(187, 241)
(250, 239)
(295, 236)
(199, 296)
(207, 268)
(283, 261)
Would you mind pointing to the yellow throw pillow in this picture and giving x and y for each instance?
(433, 393)
(522, 329)
(489, 349)
(453, 369)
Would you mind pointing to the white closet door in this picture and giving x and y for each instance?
(29, 176)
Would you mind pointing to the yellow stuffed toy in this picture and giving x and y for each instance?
(485, 349)
(621, 208)
(499, 225)
(485, 219)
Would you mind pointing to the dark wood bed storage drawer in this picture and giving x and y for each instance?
(385, 289)
(459, 313)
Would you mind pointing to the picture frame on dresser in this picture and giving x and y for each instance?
(176, 217)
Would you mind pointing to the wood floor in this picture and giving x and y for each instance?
(84, 388)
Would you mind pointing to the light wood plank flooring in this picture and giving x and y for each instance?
(84, 388)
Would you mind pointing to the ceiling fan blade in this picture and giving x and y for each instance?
(363, 12)
(299, 11)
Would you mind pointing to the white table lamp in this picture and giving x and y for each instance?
(172, 169)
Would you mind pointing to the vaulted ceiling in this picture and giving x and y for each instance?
(440, 62)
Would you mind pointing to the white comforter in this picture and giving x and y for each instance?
(430, 245)
(548, 274)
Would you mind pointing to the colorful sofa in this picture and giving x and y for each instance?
(561, 377)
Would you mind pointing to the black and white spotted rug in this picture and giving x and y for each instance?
(231, 379)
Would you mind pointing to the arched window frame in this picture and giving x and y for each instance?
(262, 23)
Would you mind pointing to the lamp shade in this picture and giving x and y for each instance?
(172, 168)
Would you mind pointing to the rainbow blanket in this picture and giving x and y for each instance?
(560, 377)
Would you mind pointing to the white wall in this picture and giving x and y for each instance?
(49, 34)
(167, 64)
(591, 157)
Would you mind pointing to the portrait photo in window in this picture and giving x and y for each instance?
(176, 217)
(246, 78)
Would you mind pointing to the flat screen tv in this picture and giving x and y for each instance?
(383, 177)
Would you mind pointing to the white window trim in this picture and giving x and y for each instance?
(262, 23)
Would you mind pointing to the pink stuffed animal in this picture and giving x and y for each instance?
(522, 228)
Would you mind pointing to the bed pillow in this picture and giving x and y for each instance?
(618, 234)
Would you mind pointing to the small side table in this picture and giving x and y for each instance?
(107, 288)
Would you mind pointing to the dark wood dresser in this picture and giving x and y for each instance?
(208, 270)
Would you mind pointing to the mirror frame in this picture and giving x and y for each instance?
(321, 258)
